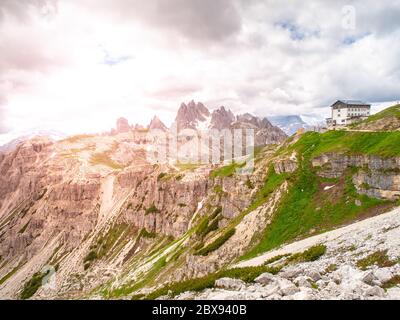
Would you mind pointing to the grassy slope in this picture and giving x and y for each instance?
(307, 208)
(393, 111)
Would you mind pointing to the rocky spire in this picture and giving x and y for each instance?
(190, 115)
(156, 123)
(122, 125)
(221, 118)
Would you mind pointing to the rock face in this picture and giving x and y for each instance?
(192, 116)
(221, 118)
(91, 204)
(376, 176)
(196, 116)
(157, 124)
(265, 132)
(122, 125)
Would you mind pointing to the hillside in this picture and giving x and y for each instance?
(386, 120)
(109, 224)
(359, 261)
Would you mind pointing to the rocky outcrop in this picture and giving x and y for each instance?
(265, 133)
(221, 118)
(122, 125)
(157, 124)
(376, 176)
(191, 115)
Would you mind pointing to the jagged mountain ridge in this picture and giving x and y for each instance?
(197, 116)
(289, 124)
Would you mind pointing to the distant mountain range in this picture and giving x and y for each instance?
(11, 140)
(291, 123)
(195, 115)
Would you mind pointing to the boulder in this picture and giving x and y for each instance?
(304, 294)
(290, 273)
(265, 278)
(287, 287)
(230, 284)
(314, 275)
(375, 291)
(383, 274)
(302, 281)
(270, 290)
(368, 278)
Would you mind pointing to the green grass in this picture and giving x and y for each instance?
(105, 160)
(216, 243)
(77, 138)
(393, 111)
(311, 254)
(332, 267)
(9, 275)
(226, 171)
(152, 209)
(379, 258)
(384, 144)
(247, 274)
(276, 258)
(393, 282)
(106, 242)
(202, 226)
(145, 280)
(306, 207)
(208, 223)
(187, 166)
(145, 234)
(219, 190)
(32, 285)
(161, 175)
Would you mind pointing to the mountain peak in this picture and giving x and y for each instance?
(191, 115)
(122, 125)
(222, 118)
(156, 123)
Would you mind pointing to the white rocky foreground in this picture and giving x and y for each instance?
(335, 275)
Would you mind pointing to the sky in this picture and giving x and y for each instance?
(77, 65)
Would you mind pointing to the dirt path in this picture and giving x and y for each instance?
(302, 245)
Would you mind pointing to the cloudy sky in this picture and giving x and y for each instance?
(77, 65)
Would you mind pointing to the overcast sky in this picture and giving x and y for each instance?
(77, 65)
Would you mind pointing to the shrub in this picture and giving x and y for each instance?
(276, 258)
(314, 253)
(379, 257)
(92, 255)
(394, 281)
(152, 209)
(217, 243)
(249, 184)
(247, 274)
(217, 211)
(161, 175)
(33, 285)
(145, 234)
(202, 226)
(311, 254)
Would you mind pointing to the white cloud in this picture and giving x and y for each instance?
(76, 65)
